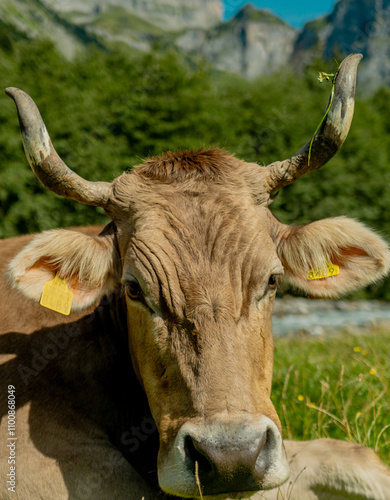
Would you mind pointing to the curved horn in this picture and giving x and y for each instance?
(45, 162)
(330, 136)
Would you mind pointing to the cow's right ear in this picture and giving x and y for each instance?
(89, 265)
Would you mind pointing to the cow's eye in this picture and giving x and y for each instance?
(273, 281)
(134, 290)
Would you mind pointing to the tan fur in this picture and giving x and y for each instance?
(58, 451)
(87, 262)
(97, 470)
(362, 255)
(178, 166)
(191, 231)
(327, 469)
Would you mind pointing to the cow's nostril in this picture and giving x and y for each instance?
(195, 455)
(235, 456)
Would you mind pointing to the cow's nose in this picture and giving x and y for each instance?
(225, 465)
(240, 456)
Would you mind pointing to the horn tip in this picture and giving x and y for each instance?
(12, 91)
(358, 56)
(355, 57)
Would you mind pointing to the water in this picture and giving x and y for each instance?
(293, 315)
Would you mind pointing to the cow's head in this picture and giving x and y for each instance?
(199, 256)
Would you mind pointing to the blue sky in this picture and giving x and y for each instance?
(294, 12)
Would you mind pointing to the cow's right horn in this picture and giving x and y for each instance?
(45, 162)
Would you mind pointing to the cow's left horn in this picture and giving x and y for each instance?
(330, 136)
(45, 162)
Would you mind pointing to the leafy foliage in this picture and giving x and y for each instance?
(107, 111)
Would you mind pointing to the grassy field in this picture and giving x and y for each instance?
(335, 387)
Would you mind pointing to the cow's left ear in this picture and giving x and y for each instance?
(89, 265)
(332, 257)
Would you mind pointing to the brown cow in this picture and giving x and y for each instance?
(185, 275)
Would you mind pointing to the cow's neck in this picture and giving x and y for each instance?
(122, 410)
(90, 375)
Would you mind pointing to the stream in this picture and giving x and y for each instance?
(314, 317)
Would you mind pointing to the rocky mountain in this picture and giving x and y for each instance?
(134, 23)
(31, 19)
(169, 15)
(254, 42)
(353, 26)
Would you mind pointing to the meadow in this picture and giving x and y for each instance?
(335, 386)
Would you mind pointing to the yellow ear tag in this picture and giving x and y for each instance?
(318, 274)
(57, 296)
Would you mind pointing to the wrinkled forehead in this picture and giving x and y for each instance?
(201, 233)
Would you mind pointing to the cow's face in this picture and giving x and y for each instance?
(198, 255)
(200, 271)
(199, 260)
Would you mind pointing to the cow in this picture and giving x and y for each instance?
(329, 469)
(159, 379)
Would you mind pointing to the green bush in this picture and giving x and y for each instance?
(107, 111)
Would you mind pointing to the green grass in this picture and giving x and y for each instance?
(335, 387)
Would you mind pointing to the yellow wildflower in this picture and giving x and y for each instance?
(372, 371)
(300, 397)
(357, 348)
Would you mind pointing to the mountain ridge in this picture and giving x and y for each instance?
(253, 42)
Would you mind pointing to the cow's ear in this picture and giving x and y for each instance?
(332, 257)
(89, 265)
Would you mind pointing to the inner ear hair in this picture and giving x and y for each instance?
(86, 261)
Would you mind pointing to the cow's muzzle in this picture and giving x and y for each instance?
(223, 458)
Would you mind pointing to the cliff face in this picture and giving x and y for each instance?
(169, 15)
(353, 26)
(133, 23)
(30, 19)
(253, 43)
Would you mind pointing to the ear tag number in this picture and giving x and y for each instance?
(318, 274)
(57, 296)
